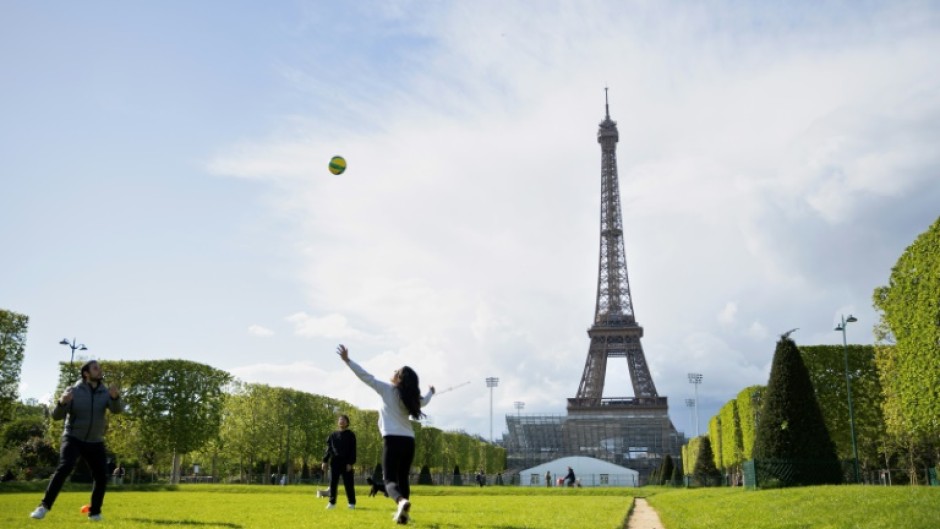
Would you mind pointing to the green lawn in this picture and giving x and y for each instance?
(262, 507)
(827, 507)
(256, 507)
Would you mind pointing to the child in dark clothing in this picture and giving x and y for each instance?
(341, 456)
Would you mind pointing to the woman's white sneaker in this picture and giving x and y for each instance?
(401, 516)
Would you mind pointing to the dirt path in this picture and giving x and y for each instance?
(643, 516)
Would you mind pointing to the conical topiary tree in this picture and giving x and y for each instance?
(676, 478)
(424, 478)
(792, 432)
(705, 472)
(665, 474)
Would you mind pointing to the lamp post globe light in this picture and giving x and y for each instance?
(848, 390)
(695, 379)
(491, 382)
(73, 346)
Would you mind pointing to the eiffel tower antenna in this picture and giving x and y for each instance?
(615, 332)
(606, 105)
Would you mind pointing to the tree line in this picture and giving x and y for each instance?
(182, 416)
(895, 389)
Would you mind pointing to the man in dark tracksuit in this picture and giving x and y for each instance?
(341, 456)
(83, 408)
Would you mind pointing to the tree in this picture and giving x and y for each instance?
(676, 478)
(424, 478)
(12, 342)
(909, 307)
(668, 468)
(826, 367)
(748, 403)
(732, 449)
(704, 473)
(791, 429)
(173, 406)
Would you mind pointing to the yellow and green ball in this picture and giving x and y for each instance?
(337, 165)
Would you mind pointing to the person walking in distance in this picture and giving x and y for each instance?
(340, 456)
(569, 478)
(401, 400)
(83, 407)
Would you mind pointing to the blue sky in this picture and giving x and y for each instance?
(165, 189)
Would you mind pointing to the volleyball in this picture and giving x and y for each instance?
(337, 165)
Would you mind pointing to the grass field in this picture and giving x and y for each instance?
(264, 507)
(827, 507)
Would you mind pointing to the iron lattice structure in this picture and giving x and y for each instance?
(635, 431)
(615, 332)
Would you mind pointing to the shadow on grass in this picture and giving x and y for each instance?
(185, 522)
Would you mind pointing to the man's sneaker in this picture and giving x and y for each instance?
(401, 516)
(39, 513)
(330, 506)
(94, 518)
(352, 506)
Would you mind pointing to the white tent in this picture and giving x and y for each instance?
(589, 471)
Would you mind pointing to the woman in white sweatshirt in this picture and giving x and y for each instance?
(401, 402)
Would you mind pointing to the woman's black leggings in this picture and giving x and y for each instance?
(398, 452)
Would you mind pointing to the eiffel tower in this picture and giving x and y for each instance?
(631, 431)
(615, 332)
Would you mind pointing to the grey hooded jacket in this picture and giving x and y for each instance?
(84, 415)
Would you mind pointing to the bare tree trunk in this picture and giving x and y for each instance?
(175, 473)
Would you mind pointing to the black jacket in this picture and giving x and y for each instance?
(341, 445)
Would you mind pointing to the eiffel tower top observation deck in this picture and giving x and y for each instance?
(614, 332)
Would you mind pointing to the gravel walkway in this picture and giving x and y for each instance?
(643, 516)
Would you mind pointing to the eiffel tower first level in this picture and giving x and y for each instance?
(615, 332)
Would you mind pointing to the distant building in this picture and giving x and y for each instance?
(590, 472)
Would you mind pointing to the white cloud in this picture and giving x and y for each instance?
(258, 330)
(334, 326)
(728, 314)
(777, 156)
(463, 237)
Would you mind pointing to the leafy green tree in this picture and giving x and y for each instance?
(826, 367)
(716, 441)
(20, 430)
(687, 463)
(909, 307)
(13, 328)
(749, 402)
(173, 406)
(792, 429)
(705, 473)
(732, 449)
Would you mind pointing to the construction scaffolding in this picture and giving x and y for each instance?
(636, 438)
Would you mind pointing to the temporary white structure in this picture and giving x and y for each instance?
(589, 472)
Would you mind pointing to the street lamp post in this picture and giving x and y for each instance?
(690, 403)
(73, 346)
(695, 379)
(848, 390)
(491, 382)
